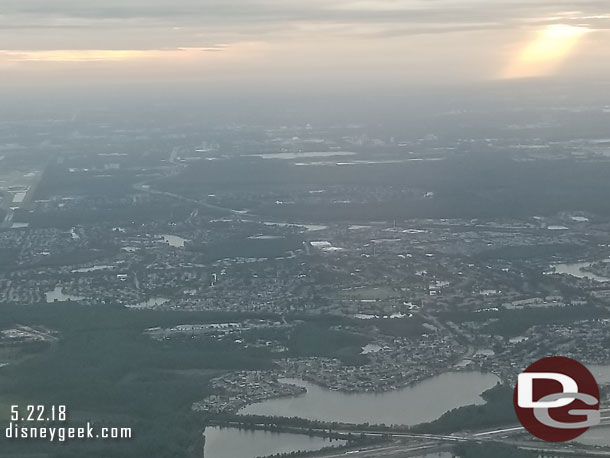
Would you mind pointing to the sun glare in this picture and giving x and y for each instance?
(550, 48)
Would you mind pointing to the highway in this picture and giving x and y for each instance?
(431, 443)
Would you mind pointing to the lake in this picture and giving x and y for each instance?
(58, 295)
(240, 443)
(174, 240)
(422, 402)
(575, 269)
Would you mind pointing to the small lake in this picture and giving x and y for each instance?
(370, 348)
(422, 402)
(19, 197)
(92, 269)
(58, 295)
(241, 443)
(575, 269)
(174, 240)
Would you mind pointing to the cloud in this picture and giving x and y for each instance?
(253, 17)
(104, 55)
(294, 37)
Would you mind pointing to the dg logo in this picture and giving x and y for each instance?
(557, 399)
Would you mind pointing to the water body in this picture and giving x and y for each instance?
(19, 197)
(299, 155)
(57, 295)
(308, 227)
(601, 373)
(357, 227)
(422, 402)
(265, 237)
(174, 240)
(92, 269)
(368, 316)
(240, 443)
(575, 269)
(558, 228)
(370, 348)
(366, 162)
(599, 436)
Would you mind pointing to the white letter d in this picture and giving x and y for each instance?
(525, 392)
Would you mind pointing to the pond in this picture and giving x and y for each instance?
(241, 443)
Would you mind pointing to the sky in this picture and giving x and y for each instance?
(293, 44)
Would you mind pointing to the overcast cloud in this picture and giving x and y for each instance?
(269, 34)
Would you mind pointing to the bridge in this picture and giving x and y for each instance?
(399, 445)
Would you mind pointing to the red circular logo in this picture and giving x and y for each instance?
(557, 399)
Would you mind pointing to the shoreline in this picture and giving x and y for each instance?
(283, 388)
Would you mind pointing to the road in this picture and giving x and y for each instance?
(421, 444)
(145, 187)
